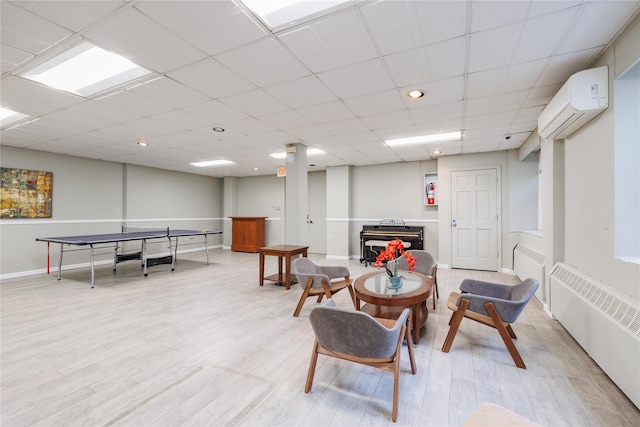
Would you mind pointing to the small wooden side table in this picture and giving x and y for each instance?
(281, 251)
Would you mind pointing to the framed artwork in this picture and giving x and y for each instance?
(26, 193)
(431, 189)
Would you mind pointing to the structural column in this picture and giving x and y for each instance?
(296, 230)
(229, 208)
(338, 212)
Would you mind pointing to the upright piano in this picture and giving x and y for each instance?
(374, 238)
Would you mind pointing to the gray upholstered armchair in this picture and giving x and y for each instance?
(491, 304)
(357, 337)
(320, 281)
(425, 264)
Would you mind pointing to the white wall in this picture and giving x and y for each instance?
(93, 196)
(589, 184)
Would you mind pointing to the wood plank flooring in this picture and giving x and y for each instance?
(205, 345)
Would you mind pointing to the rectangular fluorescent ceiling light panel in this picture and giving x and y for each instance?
(8, 117)
(310, 152)
(276, 13)
(85, 70)
(213, 163)
(425, 139)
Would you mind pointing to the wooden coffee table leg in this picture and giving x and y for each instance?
(415, 315)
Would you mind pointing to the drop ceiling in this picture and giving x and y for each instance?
(338, 82)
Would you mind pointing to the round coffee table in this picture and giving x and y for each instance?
(389, 303)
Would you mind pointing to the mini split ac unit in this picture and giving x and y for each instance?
(581, 98)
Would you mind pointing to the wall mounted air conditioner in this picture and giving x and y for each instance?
(581, 98)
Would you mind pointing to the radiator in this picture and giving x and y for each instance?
(530, 263)
(605, 322)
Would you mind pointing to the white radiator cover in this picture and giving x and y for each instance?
(528, 263)
(605, 322)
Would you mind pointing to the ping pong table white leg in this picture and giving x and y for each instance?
(92, 270)
(206, 248)
(144, 257)
(60, 261)
(173, 258)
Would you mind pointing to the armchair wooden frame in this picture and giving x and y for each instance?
(327, 290)
(391, 364)
(504, 329)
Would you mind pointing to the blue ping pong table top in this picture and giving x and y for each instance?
(91, 239)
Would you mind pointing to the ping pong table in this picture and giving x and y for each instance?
(94, 241)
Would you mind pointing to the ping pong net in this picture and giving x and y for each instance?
(151, 230)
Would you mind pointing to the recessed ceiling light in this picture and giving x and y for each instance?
(310, 152)
(425, 139)
(8, 116)
(85, 70)
(213, 163)
(417, 93)
(143, 143)
(275, 13)
(437, 151)
(218, 129)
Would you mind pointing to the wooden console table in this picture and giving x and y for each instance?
(281, 251)
(247, 233)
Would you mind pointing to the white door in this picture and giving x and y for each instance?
(317, 220)
(474, 219)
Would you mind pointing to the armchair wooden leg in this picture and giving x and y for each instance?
(353, 295)
(396, 381)
(504, 334)
(455, 321)
(305, 294)
(407, 336)
(312, 367)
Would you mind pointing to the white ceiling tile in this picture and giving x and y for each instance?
(562, 66)
(302, 92)
(305, 132)
(327, 43)
(27, 97)
(324, 113)
(596, 24)
(133, 35)
(541, 36)
(27, 32)
(170, 92)
(12, 57)
(524, 75)
(216, 112)
(75, 15)
(409, 67)
(263, 63)
(356, 80)
(390, 120)
(181, 119)
(285, 119)
(441, 20)
(448, 90)
(537, 8)
(485, 83)
(255, 103)
(250, 126)
(493, 48)
(446, 59)
(490, 14)
(343, 127)
(212, 26)
(211, 78)
(393, 24)
(377, 103)
(130, 101)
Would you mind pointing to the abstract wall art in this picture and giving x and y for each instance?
(26, 193)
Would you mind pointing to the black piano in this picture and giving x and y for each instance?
(374, 238)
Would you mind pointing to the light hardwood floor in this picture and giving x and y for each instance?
(205, 345)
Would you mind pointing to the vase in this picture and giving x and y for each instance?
(394, 282)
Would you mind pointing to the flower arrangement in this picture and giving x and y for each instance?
(394, 249)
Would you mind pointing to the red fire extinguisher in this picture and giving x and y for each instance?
(431, 194)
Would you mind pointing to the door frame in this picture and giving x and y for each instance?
(498, 169)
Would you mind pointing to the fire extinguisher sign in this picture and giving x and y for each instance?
(431, 189)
